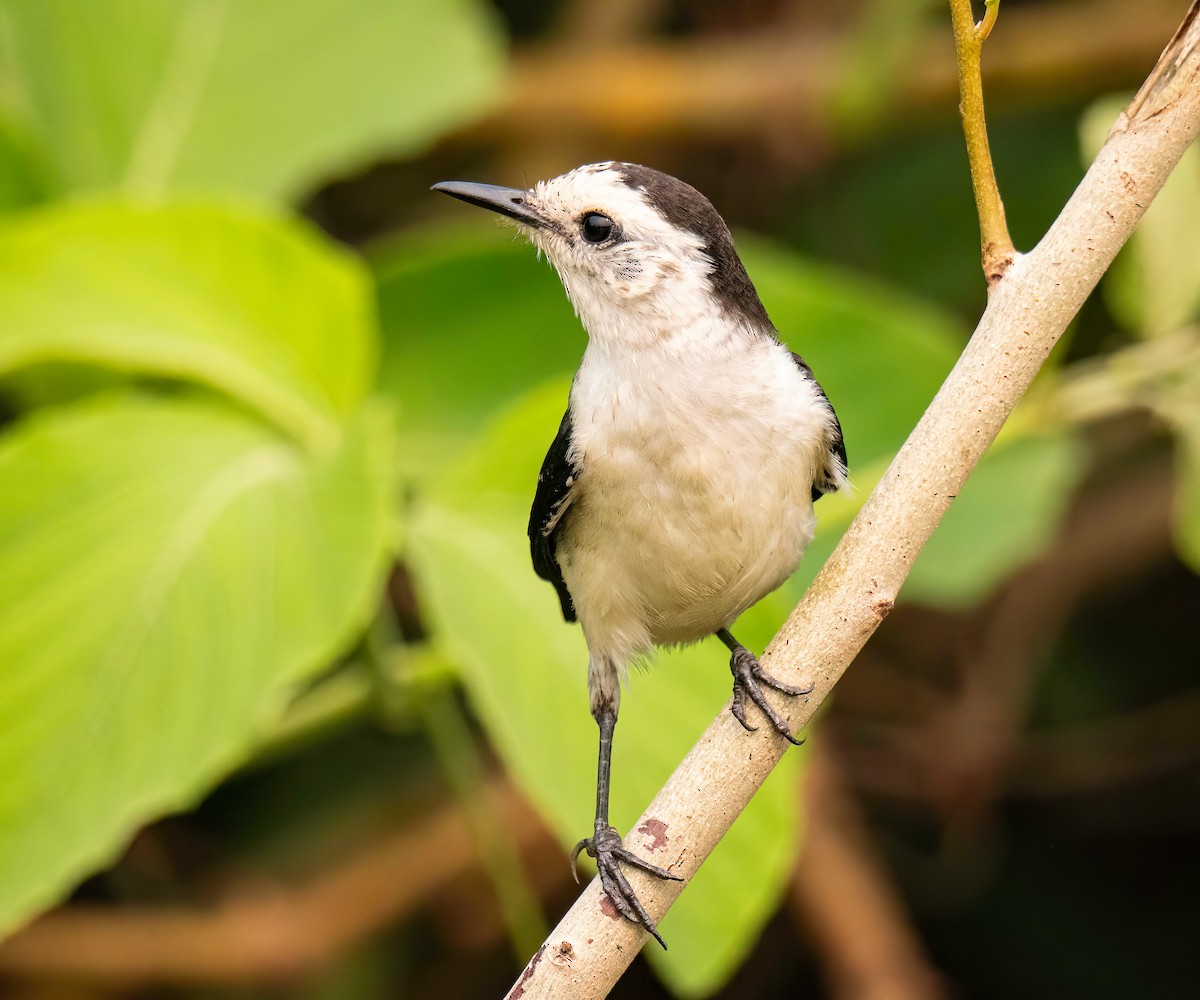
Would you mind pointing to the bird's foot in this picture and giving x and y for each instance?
(606, 847)
(749, 679)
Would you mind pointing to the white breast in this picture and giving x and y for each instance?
(694, 494)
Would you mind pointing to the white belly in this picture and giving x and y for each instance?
(693, 501)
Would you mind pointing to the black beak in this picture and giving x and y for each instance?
(507, 201)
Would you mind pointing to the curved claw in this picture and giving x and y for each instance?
(748, 679)
(738, 708)
(585, 843)
(609, 852)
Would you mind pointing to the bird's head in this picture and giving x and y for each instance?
(641, 254)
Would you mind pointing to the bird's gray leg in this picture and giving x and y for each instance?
(605, 843)
(748, 679)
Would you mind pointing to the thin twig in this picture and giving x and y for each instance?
(998, 252)
(984, 27)
(1027, 311)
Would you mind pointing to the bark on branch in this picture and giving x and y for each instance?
(1027, 311)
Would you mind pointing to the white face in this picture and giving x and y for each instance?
(629, 272)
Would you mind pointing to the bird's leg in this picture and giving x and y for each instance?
(749, 679)
(605, 843)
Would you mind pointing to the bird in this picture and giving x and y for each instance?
(679, 488)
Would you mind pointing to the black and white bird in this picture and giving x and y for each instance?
(680, 487)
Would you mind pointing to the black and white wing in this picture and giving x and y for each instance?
(833, 473)
(549, 507)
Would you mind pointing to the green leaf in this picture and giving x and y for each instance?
(1153, 286)
(252, 305)
(23, 180)
(470, 321)
(1007, 513)
(168, 571)
(260, 97)
(526, 673)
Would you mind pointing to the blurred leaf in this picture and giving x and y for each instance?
(170, 568)
(263, 97)
(881, 358)
(494, 617)
(1007, 513)
(22, 176)
(1153, 286)
(254, 306)
(526, 673)
(470, 321)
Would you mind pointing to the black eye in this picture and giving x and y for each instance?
(596, 228)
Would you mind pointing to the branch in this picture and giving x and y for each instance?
(1027, 311)
(998, 252)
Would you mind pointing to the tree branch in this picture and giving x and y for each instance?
(997, 246)
(1027, 310)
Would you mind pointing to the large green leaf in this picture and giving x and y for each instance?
(470, 321)
(264, 97)
(22, 176)
(526, 672)
(255, 306)
(168, 570)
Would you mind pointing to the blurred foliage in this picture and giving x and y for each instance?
(265, 98)
(180, 551)
(204, 565)
(1153, 289)
(222, 430)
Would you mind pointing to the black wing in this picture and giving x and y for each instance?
(546, 518)
(835, 466)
